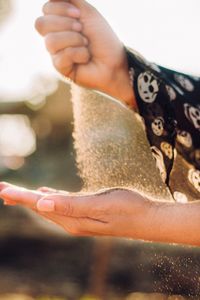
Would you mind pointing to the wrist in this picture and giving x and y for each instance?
(160, 222)
(169, 222)
(119, 83)
(138, 220)
(121, 87)
(184, 222)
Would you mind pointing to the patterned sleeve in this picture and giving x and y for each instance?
(169, 103)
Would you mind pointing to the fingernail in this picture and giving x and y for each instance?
(76, 26)
(46, 205)
(75, 12)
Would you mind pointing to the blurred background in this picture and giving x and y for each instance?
(37, 259)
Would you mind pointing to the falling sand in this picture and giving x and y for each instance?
(111, 146)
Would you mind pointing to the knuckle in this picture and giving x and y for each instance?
(68, 209)
(39, 24)
(50, 43)
(60, 69)
(76, 38)
(58, 62)
(81, 39)
(69, 52)
(84, 55)
(41, 188)
(60, 59)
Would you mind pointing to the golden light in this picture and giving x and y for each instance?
(13, 162)
(16, 136)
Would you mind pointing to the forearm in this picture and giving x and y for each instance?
(171, 223)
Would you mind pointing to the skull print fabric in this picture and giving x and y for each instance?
(169, 103)
(148, 87)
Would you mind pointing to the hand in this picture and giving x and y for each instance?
(120, 213)
(84, 48)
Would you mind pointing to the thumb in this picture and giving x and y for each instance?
(66, 205)
(80, 206)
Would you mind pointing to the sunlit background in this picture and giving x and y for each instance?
(165, 32)
(36, 149)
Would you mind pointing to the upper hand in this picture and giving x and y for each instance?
(118, 213)
(84, 48)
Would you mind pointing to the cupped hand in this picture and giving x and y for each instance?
(84, 48)
(116, 212)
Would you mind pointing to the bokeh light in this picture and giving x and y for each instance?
(16, 136)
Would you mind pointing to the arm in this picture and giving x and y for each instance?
(84, 48)
(118, 213)
(176, 223)
(168, 102)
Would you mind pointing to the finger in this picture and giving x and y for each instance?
(95, 207)
(57, 41)
(25, 197)
(70, 206)
(82, 5)
(51, 23)
(65, 59)
(46, 189)
(61, 9)
(4, 185)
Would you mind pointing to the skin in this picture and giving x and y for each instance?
(84, 48)
(117, 213)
